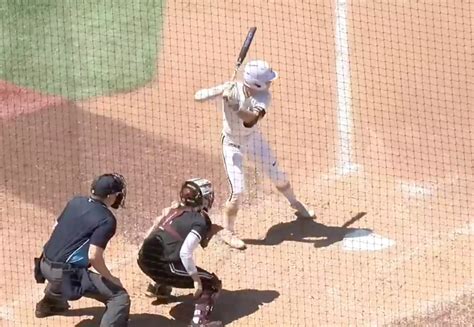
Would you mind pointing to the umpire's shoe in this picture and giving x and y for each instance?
(302, 212)
(48, 307)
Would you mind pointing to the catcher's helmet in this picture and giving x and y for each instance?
(258, 74)
(197, 193)
(112, 183)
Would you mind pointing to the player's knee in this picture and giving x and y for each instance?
(282, 185)
(120, 301)
(230, 210)
(216, 283)
(211, 291)
(234, 200)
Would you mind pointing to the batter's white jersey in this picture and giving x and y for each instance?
(233, 126)
(238, 140)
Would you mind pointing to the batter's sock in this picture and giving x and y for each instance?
(288, 193)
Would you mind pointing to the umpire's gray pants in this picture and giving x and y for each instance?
(115, 298)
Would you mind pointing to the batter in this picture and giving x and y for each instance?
(244, 104)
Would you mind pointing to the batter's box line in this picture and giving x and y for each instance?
(340, 172)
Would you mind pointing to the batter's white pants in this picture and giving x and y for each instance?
(259, 151)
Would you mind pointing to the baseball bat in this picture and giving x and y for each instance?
(244, 50)
(207, 94)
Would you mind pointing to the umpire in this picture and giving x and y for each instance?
(78, 241)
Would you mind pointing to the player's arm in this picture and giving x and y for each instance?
(210, 93)
(186, 253)
(190, 244)
(98, 242)
(256, 110)
(96, 258)
(251, 117)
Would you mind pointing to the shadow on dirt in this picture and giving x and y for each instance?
(51, 155)
(136, 320)
(310, 231)
(231, 306)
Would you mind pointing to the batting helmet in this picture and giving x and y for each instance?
(258, 74)
(197, 193)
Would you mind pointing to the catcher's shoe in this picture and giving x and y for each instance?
(47, 307)
(231, 239)
(207, 323)
(302, 212)
(158, 291)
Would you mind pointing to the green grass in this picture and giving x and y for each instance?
(79, 48)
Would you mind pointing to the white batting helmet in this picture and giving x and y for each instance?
(257, 74)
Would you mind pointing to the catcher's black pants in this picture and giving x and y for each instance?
(174, 274)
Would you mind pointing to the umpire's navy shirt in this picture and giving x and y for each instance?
(84, 221)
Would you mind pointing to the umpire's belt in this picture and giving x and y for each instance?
(59, 265)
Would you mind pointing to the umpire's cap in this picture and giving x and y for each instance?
(107, 184)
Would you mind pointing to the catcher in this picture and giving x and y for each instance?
(166, 255)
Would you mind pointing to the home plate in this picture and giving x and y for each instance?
(6, 313)
(365, 240)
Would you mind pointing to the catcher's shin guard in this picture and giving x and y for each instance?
(203, 309)
(215, 323)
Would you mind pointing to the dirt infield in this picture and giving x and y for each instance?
(392, 239)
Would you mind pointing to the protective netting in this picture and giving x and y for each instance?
(371, 119)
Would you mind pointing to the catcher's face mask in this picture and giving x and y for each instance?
(197, 193)
(122, 194)
(108, 184)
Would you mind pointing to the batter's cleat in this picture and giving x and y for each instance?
(302, 212)
(47, 307)
(207, 323)
(232, 240)
(158, 291)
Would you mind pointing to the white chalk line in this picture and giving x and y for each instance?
(345, 165)
(365, 243)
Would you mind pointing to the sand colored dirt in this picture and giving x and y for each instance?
(410, 85)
